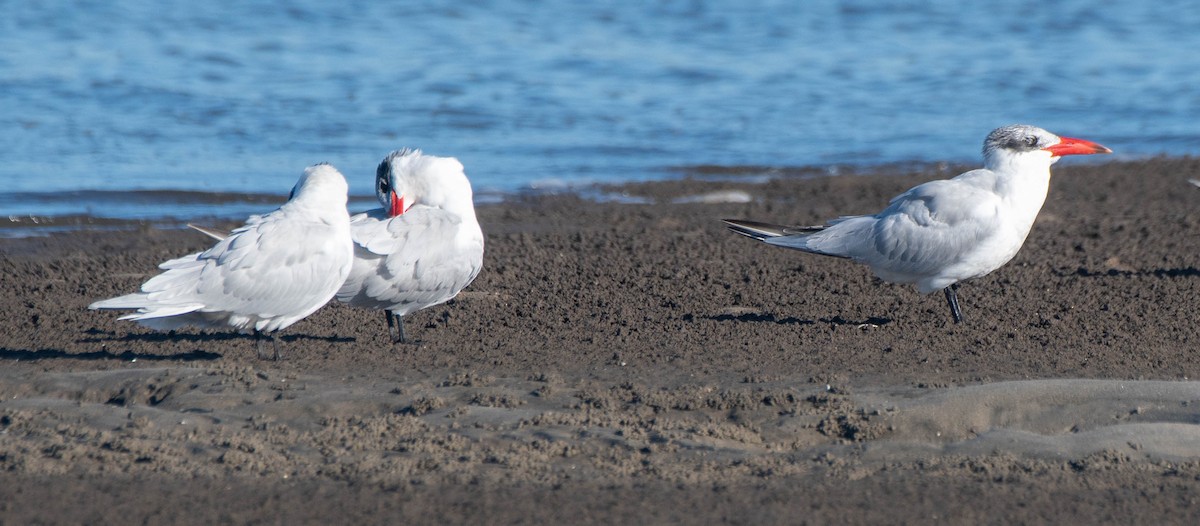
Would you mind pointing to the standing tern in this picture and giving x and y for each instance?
(262, 277)
(943, 232)
(422, 247)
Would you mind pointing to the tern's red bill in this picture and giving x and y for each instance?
(1073, 146)
(397, 206)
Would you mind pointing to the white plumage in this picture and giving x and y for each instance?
(266, 275)
(943, 232)
(422, 247)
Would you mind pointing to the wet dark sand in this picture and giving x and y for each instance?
(638, 363)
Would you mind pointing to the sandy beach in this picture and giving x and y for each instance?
(631, 361)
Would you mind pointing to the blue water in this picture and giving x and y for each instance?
(98, 99)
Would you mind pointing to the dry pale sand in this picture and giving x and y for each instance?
(636, 363)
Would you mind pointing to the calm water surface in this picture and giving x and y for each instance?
(123, 110)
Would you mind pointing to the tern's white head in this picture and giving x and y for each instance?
(321, 185)
(406, 178)
(1020, 145)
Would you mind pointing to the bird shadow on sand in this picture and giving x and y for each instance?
(875, 321)
(791, 320)
(1188, 272)
(99, 336)
(59, 354)
(331, 339)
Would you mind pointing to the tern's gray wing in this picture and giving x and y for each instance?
(266, 275)
(420, 258)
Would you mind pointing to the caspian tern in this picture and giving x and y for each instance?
(262, 277)
(943, 232)
(422, 247)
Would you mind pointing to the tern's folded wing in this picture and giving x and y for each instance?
(422, 257)
(931, 227)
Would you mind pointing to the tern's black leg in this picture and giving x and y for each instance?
(395, 326)
(387, 316)
(258, 338)
(952, 299)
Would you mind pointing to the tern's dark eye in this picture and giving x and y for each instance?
(1031, 140)
(382, 185)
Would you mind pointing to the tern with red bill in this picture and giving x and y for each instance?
(943, 232)
(262, 277)
(422, 247)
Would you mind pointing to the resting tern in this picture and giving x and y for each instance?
(943, 232)
(262, 277)
(422, 247)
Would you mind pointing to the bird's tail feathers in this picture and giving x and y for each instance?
(146, 308)
(128, 301)
(793, 237)
(163, 311)
(763, 231)
(214, 233)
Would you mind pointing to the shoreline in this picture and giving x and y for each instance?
(26, 212)
(174, 208)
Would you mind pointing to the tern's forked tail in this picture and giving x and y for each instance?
(762, 231)
(793, 237)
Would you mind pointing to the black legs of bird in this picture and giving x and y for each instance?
(395, 324)
(952, 299)
(258, 338)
